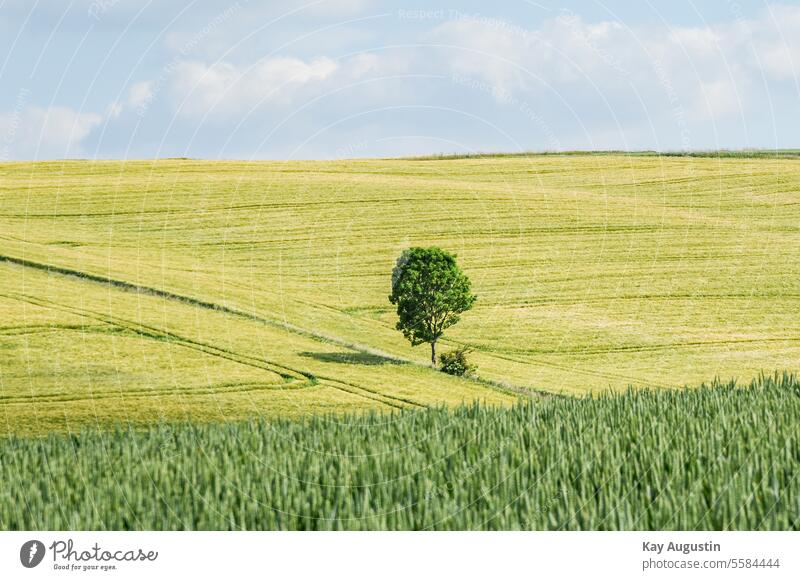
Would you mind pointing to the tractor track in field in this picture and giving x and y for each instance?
(61, 397)
(172, 338)
(569, 301)
(166, 294)
(633, 381)
(147, 331)
(644, 348)
(45, 328)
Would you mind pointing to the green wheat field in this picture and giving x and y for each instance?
(720, 457)
(211, 345)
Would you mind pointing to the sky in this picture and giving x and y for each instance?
(333, 79)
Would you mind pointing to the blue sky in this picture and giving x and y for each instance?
(363, 78)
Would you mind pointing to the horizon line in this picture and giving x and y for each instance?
(748, 152)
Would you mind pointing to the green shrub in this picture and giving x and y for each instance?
(455, 363)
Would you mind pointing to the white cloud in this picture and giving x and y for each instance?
(776, 43)
(780, 62)
(224, 88)
(32, 132)
(720, 98)
(710, 71)
(140, 94)
(114, 110)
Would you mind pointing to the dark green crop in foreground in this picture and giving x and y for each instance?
(712, 458)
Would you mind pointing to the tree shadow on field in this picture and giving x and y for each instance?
(353, 358)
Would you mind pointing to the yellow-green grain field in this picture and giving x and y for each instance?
(136, 292)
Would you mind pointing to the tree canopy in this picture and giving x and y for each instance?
(430, 292)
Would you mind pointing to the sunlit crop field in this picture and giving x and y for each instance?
(182, 289)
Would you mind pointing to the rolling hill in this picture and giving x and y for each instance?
(142, 291)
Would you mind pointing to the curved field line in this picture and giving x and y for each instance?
(583, 371)
(167, 336)
(263, 364)
(44, 328)
(369, 394)
(149, 291)
(649, 297)
(645, 347)
(62, 397)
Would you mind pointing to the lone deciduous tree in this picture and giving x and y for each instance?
(430, 292)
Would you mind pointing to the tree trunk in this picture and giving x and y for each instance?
(433, 353)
